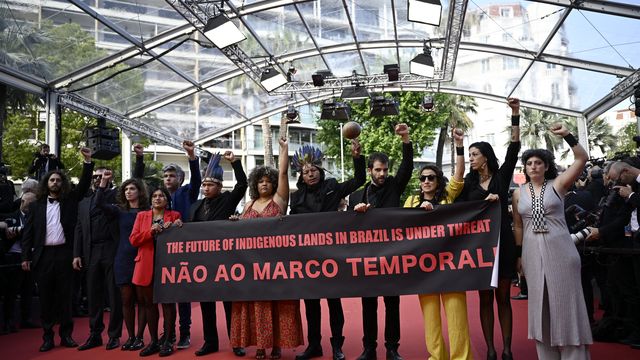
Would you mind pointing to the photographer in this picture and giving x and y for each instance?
(7, 191)
(43, 162)
(625, 272)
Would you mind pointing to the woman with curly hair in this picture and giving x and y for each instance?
(558, 319)
(435, 190)
(267, 324)
(487, 180)
(132, 198)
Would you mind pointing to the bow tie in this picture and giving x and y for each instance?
(52, 200)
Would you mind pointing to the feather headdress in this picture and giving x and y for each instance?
(214, 171)
(307, 155)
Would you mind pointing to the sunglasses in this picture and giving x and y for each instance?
(96, 177)
(423, 178)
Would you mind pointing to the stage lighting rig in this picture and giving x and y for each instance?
(382, 106)
(333, 110)
(427, 103)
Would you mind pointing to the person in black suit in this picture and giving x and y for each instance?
(43, 162)
(47, 246)
(217, 205)
(383, 191)
(17, 281)
(96, 242)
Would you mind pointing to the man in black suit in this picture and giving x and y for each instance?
(96, 241)
(383, 191)
(47, 248)
(217, 205)
(43, 162)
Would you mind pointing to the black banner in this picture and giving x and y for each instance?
(391, 251)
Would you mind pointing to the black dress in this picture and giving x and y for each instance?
(499, 184)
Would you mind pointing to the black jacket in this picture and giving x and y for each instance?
(328, 192)
(35, 231)
(223, 205)
(389, 194)
(38, 166)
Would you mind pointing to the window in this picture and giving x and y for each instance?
(509, 63)
(487, 88)
(506, 12)
(486, 65)
(555, 92)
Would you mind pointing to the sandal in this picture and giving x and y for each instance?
(275, 353)
(261, 354)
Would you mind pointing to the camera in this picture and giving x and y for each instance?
(580, 235)
(584, 219)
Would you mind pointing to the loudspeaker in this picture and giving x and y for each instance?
(103, 142)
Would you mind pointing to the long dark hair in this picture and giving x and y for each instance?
(43, 186)
(258, 173)
(143, 200)
(492, 161)
(547, 158)
(441, 190)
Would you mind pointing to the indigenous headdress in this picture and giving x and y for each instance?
(307, 155)
(214, 171)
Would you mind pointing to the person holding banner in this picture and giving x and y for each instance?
(267, 324)
(487, 180)
(217, 205)
(147, 225)
(435, 190)
(317, 194)
(132, 198)
(558, 319)
(381, 192)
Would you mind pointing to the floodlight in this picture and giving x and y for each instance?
(292, 71)
(381, 106)
(319, 76)
(222, 32)
(393, 71)
(333, 110)
(425, 11)
(427, 103)
(292, 115)
(272, 79)
(423, 64)
(357, 92)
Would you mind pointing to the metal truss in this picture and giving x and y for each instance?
(618, 93)
(367, 81)
(457, 11)
(601, 6)
(89, 108)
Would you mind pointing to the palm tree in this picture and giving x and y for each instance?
(457, 106)
(599, 135)
(13, 42)
(534, 129)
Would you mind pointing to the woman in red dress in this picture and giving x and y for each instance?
(148, 224)
(267, 324)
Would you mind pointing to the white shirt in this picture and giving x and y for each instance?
(55, 234)
(634, 214)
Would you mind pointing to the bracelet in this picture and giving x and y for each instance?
(519, 250)
(571, 140)
(460, 150)
(515, 120)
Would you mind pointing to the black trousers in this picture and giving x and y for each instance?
(100, 282)
(184, 311)
(16, 282)
(370, 322)
(209, 320)
(53, 276)
(314, 316)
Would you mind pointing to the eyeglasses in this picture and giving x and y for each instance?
(96, 177)
(423, 178)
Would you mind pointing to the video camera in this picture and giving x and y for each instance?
(584, 219)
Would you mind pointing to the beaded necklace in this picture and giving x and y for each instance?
(537, 209)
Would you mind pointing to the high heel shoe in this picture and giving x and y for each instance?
(275, 353)
(506, 356)
(492, 356)
(261, 354)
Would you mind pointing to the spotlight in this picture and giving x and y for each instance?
(319, 76)
(423, 64)
(357, 92)
(427, 103)
(292, 115)
(272, 79)
(292, 71)
(393, 71)
(222, 32)
(425, 11)
(333, 110)
(381, 106)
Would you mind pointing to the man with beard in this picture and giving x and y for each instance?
(217, 205)
(317, 194)
(383, 191)
(47, 248)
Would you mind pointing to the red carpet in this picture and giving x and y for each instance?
(25, 344)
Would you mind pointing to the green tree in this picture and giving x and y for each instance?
(625, 143)
(534, 129)
(457, 107)
(599, 135)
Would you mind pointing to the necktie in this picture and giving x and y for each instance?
(52, 200)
